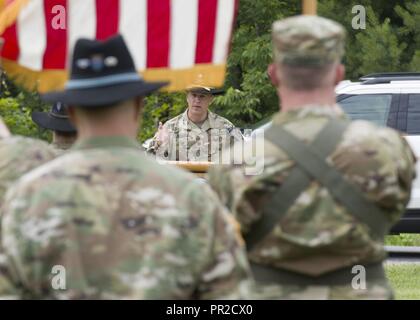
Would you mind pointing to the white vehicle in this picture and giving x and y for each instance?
(393, 100)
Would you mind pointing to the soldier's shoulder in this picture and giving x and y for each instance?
(21, 141)
(367, 133)
(26, 149)
(168, 172)
(221, 122)
(371, 143)
(78, 165)
(49, 168)
(173, 121)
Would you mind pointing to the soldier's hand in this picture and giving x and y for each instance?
(162, 136)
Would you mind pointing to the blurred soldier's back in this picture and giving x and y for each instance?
(19, 155)
(314, 220)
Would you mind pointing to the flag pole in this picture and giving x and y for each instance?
(10, 12)
(309, 7)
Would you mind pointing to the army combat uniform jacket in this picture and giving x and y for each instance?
(121, 226)
(189, 142)
(61, 148)
(19, 155)
(317, 235)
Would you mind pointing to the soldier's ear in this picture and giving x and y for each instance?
(72, 115)
(340, 73)
(138, 107)
(272, 74)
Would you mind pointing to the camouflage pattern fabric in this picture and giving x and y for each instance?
(307, 41)
(317, 235)
(61, 148)
(19, 155)
(378, 290)
(122, 226)
(189, 142)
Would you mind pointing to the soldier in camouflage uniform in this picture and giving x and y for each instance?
(121, 225)
(197, 134)
(314, 220)
(57, 120)
(19, 155)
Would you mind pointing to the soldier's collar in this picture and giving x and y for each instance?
(207, 124)
(210, 118)
(185, 120)
(62, 146)
(106, 142)
(329, 111)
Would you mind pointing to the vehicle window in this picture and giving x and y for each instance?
(371, 107)
(413, 114)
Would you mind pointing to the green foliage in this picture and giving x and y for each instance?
(390, 41)
(16, 107)
(410, 32)
(159, 108)
(379, 47)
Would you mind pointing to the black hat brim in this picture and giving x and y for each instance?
(102, 96)
(217, 92)
(46, 121)
(213, 92)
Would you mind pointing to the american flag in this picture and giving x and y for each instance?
(177, 40)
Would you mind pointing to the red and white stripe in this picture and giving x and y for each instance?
(175, 34)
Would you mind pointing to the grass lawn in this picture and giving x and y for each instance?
(405, 279)
(404, 239)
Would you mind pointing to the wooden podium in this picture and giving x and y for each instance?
(198, 168)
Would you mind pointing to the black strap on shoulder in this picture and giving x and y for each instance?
(311, 164)
(295, 183)
(343, 276)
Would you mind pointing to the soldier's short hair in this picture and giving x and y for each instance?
(305, 78)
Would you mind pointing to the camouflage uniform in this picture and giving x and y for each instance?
(189, 142)
(19, 155)
(123, 226)
(317, 235)
(61, 148)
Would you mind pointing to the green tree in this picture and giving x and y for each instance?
(380, 48)
(16, 107)
(410, 32)
(390, 40)
(159, 108)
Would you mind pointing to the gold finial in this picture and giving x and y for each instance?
(309, 7)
